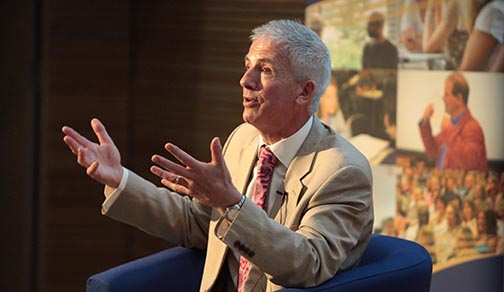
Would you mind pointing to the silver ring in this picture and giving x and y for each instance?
(177, 179)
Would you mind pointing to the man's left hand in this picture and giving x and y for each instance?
(209, 182)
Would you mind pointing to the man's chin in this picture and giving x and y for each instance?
(252, 120)
(248, 119)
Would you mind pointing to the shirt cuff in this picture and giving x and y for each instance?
(111, 194)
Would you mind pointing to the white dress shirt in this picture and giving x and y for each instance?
(284, 150)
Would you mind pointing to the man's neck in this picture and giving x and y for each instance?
(271, 137)
(457, 113)
(379, 39)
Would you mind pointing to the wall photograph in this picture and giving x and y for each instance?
(418, 86)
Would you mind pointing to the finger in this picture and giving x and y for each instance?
(181, 155)
(81, 140)
(81, 157)
(169, 165)
(216, 151)
(101, 132)
(162, 173)
(72, 144)
(179, 188)
(171, 180)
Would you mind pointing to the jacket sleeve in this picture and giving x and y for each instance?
(429, 141)
(162, 213)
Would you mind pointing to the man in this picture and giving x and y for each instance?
(380, 53)
(317, 217)
(460, 144)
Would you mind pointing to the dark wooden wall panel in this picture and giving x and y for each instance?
(86, 47)
(153, 71)
(18, 167)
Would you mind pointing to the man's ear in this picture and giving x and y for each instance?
(459, 97)
(307, 90)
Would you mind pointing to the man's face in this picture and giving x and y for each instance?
(269, 89)
(452, 102)
(373, 28)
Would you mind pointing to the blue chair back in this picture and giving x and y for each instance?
(389, 264)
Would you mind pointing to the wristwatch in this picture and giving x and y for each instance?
(232, 211)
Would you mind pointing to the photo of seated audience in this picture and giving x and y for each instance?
(465, 244)
(449, 211)
(426, 239)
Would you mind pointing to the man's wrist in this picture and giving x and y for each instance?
(230, 212)
(228, 216)
(116, 180)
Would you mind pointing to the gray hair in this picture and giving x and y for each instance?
(308, 55)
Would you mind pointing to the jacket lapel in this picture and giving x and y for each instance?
(297, 176)
(247, 158)
(217, 257)
(296, 179)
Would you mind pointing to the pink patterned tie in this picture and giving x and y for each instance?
(267, 161)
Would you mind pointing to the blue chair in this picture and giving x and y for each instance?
(389, 264)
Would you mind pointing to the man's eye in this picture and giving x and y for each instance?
(265, 70)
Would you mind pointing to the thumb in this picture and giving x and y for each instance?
(216, 151)
(91, 169)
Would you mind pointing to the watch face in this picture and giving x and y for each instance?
(232, 213)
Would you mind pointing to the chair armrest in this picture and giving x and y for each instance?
(389, 264)
(174, 269)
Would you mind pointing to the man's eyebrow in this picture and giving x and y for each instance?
(261, 60)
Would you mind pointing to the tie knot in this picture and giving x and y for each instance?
(267, 158)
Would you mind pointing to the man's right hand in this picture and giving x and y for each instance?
(429, 111)
(102, 161)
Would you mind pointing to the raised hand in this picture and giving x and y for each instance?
(209, 182)
(428, 112)
(102, 161)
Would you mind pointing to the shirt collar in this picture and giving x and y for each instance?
(286, 149)
(456, 119)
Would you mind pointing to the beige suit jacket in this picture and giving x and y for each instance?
(323, 224)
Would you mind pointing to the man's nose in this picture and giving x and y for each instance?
(249, 79)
